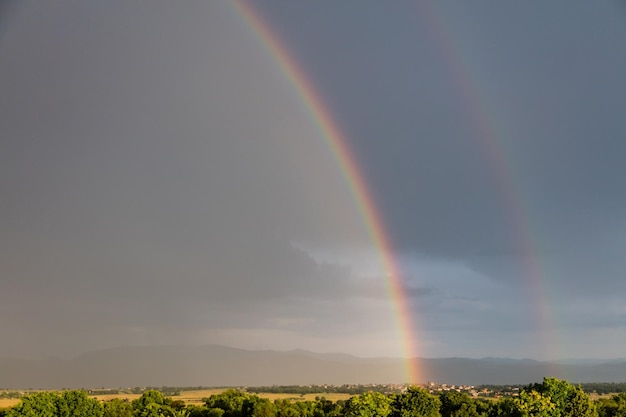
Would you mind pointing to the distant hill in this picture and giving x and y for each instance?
(213, 365)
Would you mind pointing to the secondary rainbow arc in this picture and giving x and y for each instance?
(491, 137)
(338, 145)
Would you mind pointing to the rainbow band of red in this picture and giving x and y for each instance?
(347, 164)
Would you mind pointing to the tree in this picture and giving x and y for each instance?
(305, 408)
(263, 408)
(620, 404)
(117, 408)
(285, 408)
(506, 407)
(555, 398)
(202, 411)
(579, 404)
(152, 404)
(147, 398)
(77, 403)
(40, 404)
(458, 404)
(327, 408)
(606, 407)
(213, 412)
(234, 403)
(612, 407)
(533, 404)
(569, 400)
(415, 402)
(370, 404)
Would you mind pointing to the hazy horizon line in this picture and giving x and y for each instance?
(304, 350)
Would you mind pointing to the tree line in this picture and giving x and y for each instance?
(550, 398)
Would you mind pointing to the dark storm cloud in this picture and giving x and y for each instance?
(162, 182)
(550, 94)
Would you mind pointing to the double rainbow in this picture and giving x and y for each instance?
(491, 141)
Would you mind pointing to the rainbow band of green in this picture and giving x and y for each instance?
(347, 164)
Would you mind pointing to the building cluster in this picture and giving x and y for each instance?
(475, 391)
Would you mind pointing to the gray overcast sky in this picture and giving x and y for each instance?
(162, 182)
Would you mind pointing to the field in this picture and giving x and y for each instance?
(195, 397)
(8, 402)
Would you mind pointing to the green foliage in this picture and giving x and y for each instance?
(195, 411)
(177, 405)
(147, 398)
(607, 407)
(620, 401)
(551, 398)
(459, 404)
(263, 408)
(612, 407)
(578, 404)
(231, 402)
(117, 408)
(555, 398)
(202, 411)
(506, 407)
(604, 387)
(370, 404)
(40, 404)
(152, 404)
(533, 404)
(307, 408)
(556, 391)
(285, 408)
(214, 412)
(416, 402)
(9, 394)
(77, 403)
(326, 408)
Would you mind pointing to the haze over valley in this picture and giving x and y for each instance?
(219, 366)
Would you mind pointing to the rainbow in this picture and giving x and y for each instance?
(492, 139)
(340, 150)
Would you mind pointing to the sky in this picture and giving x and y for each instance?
(163, 180)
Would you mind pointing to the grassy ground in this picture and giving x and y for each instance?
(195, 397)
(8, 402)
(332, 396)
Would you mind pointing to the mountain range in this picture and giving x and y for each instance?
(213, 365)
